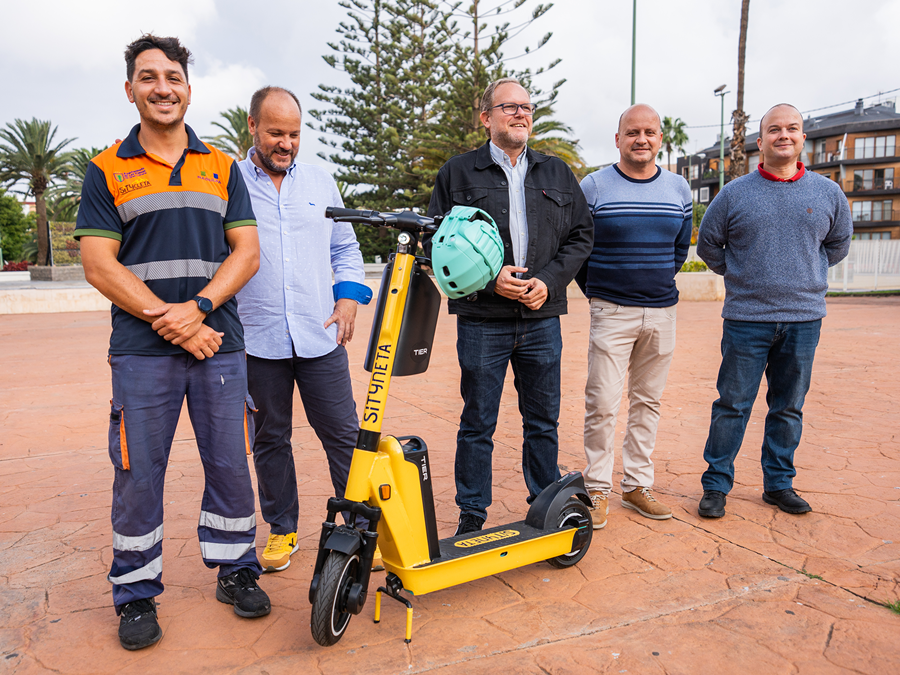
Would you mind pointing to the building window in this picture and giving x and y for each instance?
(704, 195)
(863, 236)
(694, 171)
(874, 146)
(872, 211)
(873, 179)
(753, 162)
(695, 195)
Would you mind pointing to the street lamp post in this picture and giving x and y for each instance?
(633, 47)
(720, 92)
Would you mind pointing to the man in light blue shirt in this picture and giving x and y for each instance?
(296, 319)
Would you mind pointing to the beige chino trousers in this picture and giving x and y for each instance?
(638, 341)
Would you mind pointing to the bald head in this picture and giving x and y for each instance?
(639, 109)
(779, 106)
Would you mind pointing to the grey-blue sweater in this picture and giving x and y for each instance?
(774, 242)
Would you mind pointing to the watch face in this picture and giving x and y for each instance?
(205, 304)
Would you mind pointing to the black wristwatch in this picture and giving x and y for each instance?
(205, 304)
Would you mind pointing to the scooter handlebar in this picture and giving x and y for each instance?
(352, 215)
(404, 220)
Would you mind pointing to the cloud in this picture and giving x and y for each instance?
(86, 34)
(221, 86)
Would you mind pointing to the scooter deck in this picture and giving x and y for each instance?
(486, 540)
(480, 554)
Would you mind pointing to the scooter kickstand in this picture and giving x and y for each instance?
(393, 591)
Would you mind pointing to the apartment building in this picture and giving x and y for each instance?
(857, 148)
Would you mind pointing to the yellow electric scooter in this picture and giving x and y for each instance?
(390, 479)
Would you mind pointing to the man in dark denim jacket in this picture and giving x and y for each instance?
(547, 234)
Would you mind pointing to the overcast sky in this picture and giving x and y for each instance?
(63, 60)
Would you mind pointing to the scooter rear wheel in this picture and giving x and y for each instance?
(575, 514)
(329, 610)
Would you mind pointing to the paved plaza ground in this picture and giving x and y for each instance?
(758, 591)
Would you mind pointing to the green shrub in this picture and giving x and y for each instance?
(694, 266)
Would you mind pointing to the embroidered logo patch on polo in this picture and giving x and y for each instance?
(128, 175)
(214, 178)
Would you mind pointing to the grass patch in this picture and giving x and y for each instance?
(862, 294)
(811, 575)
(894, 606)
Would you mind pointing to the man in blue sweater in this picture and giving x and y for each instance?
(772, 234)
(642, 233)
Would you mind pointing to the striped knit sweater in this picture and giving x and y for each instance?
(642, 233)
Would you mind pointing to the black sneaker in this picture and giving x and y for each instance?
(712, 505)
(787, 500)
(138, 627)
(240, 589)
(469, 522)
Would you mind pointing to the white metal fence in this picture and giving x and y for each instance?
(871, 265)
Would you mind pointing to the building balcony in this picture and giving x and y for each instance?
(852, 153)
(868, 185)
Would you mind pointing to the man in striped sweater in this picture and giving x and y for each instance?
(642, 233)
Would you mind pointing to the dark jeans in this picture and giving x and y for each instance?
(327, 396)
(784, 351)
(485, 348)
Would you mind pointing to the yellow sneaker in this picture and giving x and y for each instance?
(377, 562)
(279, 550)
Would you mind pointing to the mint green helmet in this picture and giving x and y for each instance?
(466, 251)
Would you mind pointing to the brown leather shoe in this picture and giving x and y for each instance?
(642, 501)
(599, 508)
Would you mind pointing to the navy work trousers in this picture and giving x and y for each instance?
(148, 392)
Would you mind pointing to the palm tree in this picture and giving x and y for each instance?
(674, 137)
(557, 145)
(29, 155)
(64, 199)
(740, 118)
(236, 139)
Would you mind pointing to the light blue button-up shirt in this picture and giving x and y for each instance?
(289, 299)
(518, 223)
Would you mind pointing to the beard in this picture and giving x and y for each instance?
(266, 159)
(510, 139)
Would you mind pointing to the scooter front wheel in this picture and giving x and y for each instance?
(329, 610)
(574, 514)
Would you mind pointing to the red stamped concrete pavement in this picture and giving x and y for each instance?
(758, 590)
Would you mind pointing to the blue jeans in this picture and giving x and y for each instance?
(485, 348)
(784, 351)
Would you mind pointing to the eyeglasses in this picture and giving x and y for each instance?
(513, 108)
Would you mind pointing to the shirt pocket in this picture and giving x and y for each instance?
(557, 205)
(470, 196)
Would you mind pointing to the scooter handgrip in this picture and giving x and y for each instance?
(335, 212)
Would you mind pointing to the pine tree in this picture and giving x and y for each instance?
(417, 70)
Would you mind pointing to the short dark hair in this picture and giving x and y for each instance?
(260, 95)
(170, 46)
